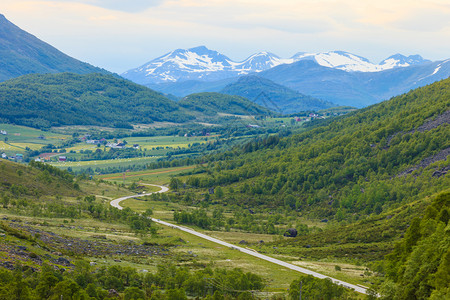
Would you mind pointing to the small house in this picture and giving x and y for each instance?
(4, 156)
(19, 156)
(62, 158)
(3, 132)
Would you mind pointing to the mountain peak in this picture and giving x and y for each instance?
(338, 60)
(203, 64)
(199, 49)
(400, 60)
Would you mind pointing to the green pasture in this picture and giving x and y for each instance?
(21, 137)
(82, 165)
(167, 141)
(157, 176)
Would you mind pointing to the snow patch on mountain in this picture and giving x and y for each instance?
(339, 60)
(259, 62)
(201, 63)
(399, 60)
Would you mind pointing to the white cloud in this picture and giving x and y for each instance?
(120, 34)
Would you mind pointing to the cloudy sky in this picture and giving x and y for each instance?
(122, 34)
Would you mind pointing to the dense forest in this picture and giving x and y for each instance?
(362, 164)
(43, 101)
(419, 266)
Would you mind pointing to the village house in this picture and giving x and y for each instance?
(4, 156)
(92, 142)
(3, 132)
(116, 145)
(62, 158)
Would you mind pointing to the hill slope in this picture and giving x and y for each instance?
(366, 162)
(93, 99)
(274, 96)
(22, 53)
(18, 180)
(213, 103)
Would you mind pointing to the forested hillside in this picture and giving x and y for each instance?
(48, 100)
(377, 176)
(18, 180)
(379, 157)
(419, 267)
(213, 103)
(22, 53)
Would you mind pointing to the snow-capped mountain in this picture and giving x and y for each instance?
(399, 60)
(181, 64)
(203, 64)
(339, 60)
(200, 63)
(353, 63)
(259, 62)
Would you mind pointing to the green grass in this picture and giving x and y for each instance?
(166, 141)
(21, 137)
(164, 211)
(82, 165)
(157, 176)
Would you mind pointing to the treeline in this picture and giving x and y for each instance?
(85, 207)
(167, 283)
(48, 169)
(214, 217)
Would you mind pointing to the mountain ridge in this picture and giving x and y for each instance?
(201, 63)
(22, 53)
(274, 96)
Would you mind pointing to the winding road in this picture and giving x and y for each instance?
(164, 189)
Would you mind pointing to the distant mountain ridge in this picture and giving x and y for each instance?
(274, 96)
(358, 89)
(22, 53)
(203, 64)
(308, 77)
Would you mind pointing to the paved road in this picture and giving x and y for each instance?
(357, 288)
(116, 202)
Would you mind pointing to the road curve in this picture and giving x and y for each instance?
(164, 189)
(116, 202)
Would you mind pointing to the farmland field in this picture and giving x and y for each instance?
(21, 137)
(80, 165)
(158, 176)
(167, 141)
